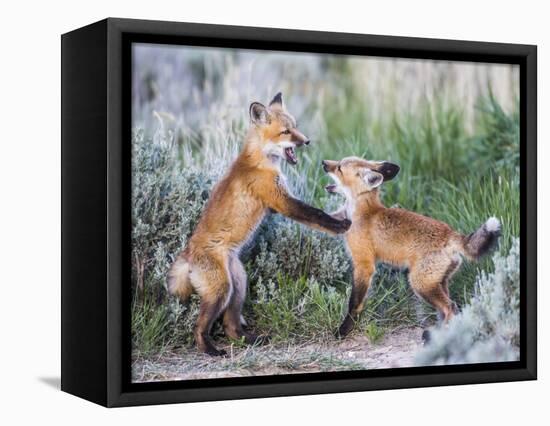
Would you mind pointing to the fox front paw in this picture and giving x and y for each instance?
(342, 226)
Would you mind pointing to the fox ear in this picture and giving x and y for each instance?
(388, 170)
(373, 179)
(258, 114)
(277, 100)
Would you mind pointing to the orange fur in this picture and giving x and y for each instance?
(253, 185)
(430, 249)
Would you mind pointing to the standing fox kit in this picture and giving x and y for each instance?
(431, 250)
(254, 184)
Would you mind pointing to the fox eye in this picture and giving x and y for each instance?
(285, 132)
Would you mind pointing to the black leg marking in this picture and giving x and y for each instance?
(358, 294)
(307, 214)
(209, 312)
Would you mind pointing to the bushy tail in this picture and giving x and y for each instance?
(178, 280)
(483, 240)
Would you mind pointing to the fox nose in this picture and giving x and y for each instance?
(307, 142)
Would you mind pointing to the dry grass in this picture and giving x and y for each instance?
(394, 349)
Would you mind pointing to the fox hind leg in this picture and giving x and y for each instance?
(209, 311)
(215, 295)
(437, 297)
(453, 267)
(232, 318)
(429, 280)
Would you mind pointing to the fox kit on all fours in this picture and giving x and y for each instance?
(431, 250)
(254, 184)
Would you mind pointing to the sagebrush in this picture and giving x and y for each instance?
(487, 329)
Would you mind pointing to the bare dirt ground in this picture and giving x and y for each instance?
(395, 349)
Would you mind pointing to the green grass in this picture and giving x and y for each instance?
(150, 325)
(301, 310)
(374, 332)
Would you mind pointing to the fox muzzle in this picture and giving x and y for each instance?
(299, 138)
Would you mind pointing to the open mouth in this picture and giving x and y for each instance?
(331, 188)
(291, 155)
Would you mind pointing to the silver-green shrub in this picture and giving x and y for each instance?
(284, 248)
(169, 194)
(167, 201)
(487, 329)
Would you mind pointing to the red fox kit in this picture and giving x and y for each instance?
(254, 184)
(429, 249)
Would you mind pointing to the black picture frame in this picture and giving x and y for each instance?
(96, 224)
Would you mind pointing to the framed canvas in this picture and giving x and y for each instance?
(255, 212)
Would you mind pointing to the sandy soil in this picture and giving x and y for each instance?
(396, 349)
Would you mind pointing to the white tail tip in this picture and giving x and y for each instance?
(492, 224)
